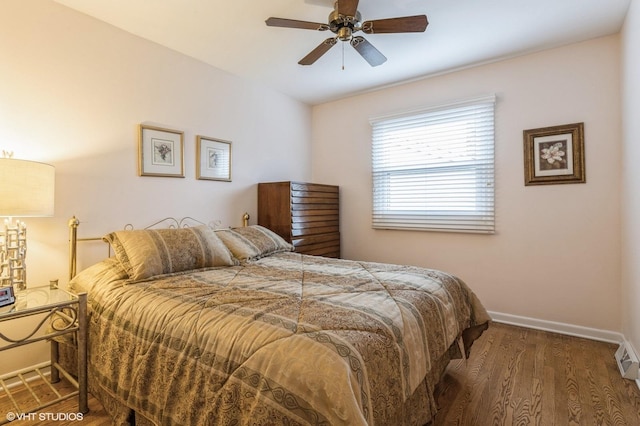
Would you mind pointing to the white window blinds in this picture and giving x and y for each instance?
(434, 169)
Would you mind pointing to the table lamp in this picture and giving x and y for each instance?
(26, 190)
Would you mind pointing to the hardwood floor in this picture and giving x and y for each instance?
(64, 413)
(514, 376)
(519, 376)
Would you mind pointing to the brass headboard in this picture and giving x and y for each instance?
(168, 222)
(73, 245)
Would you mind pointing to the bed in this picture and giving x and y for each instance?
(195, 326)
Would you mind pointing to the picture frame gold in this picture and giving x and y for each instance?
(213, 159)
(160, 152)
(554, 155)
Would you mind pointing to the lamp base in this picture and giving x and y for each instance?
(13, 252)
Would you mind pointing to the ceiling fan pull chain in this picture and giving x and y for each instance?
(342, 56)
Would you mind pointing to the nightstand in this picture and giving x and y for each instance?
(63, 313)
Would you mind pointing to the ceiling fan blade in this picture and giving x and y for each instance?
(368, 52)
(316, 53)
(407, 24)
(347, 7)
(293, 23)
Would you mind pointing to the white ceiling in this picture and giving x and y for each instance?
(232, 36)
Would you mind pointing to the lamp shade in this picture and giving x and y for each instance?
(26, 188)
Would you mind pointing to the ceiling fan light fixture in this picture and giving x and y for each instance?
(345, 33)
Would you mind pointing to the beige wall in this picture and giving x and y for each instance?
(72, 93)
(631, 175)
(556, 253)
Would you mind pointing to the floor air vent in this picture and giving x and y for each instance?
(627, 361)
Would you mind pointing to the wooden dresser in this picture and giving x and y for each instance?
(305, 214)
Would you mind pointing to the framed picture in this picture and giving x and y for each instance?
(213, 160)
(161, 152)
(554, 155)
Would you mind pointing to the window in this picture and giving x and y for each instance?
(434, 169)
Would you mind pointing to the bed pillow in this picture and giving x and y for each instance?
(150, 252)
(99, 274)
(253, 242)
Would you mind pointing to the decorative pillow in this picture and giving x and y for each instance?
(253, 242)
(150, 252)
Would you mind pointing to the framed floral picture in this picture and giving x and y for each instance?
(160, 152)
(213, 160)
(554, 155)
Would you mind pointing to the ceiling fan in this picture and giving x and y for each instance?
(344, 21)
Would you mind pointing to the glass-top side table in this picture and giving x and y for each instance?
(64, 313)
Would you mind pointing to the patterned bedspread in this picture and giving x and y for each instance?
(285, 340)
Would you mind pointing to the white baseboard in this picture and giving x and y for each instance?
(558, 327)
